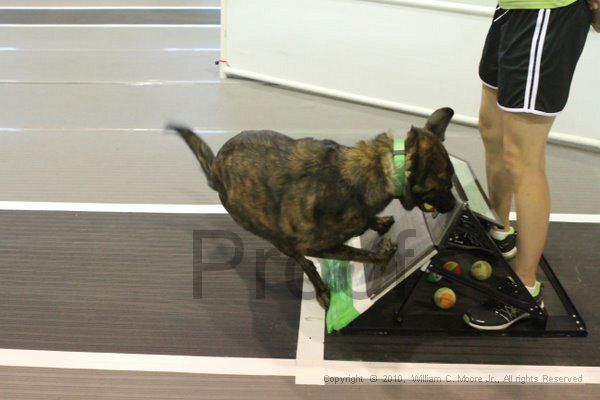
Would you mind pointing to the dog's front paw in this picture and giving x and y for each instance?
(323, 299)
(386, 249)
(384, 224)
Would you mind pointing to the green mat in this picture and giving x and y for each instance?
(338, 276)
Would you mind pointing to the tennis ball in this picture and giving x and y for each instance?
(452, 266)
(428, 207)
(444, 298)
(481, 270)
(433, 277)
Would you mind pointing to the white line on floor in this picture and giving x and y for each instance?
(276, 367)
(311, 335)
(579, 218)
(95, 8)
(111, 83)
(111, 50)
(196, 209)
(110, 25)
(113, 207)
(148, 362)
(96, 26)
(109, 130)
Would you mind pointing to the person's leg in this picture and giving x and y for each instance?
(532, 79)
(498, 181)
(524, 157)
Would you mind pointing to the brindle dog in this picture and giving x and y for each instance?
(308, 197)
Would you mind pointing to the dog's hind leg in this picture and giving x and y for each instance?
(321, 291)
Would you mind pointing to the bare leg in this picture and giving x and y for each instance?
(498, 180)
(524, 156)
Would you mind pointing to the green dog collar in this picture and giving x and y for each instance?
(399, 165)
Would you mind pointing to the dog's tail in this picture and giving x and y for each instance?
(199, 147)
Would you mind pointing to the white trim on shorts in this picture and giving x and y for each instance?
(538, 63)
(488, 85)
(535, 60)
(528, 111)
(498, 19)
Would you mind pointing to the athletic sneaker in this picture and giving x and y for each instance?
(506, 242)
(494, 316)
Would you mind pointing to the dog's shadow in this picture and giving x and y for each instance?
(261, 291)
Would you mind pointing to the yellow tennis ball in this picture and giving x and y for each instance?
(481, 270)
(444, 298)
(428, 207)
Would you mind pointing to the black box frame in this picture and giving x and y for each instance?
(467, 233)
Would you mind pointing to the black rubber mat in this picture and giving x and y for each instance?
(105, 282)
(103, 17)
(570, 251)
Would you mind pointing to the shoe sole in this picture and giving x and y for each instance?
(510, 254)
(497, 327)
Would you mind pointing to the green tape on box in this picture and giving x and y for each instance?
(338, 276)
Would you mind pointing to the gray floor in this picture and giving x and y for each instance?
(127, 283)
(81, 117)
(33, 17)
(114, 283)
(99, 143)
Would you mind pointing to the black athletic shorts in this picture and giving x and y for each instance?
(530, 56)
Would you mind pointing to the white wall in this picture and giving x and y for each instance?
(386, 53)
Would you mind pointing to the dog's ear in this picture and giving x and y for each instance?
(438, 122)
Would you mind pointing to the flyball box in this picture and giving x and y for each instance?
(397, 299)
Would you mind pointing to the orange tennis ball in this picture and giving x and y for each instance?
(453, 267)
(444, 298)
